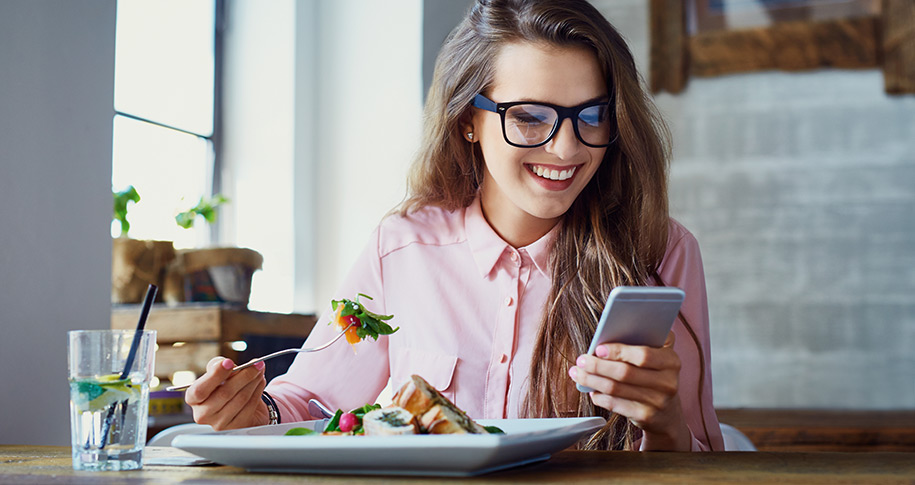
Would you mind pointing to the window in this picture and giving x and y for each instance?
(165, 104)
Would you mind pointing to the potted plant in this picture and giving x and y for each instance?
(217, 274)
(135, 263)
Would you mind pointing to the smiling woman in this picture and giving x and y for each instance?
(516, 226)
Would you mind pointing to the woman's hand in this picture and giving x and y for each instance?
(226, 399)
(642, 384)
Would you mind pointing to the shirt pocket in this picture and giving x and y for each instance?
(436, 368)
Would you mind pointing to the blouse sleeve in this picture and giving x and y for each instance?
(682, 268)
(341, 376)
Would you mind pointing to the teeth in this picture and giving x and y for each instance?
(553, 174)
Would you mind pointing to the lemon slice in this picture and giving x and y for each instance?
(96, 394)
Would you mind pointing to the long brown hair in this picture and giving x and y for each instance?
(615, 233)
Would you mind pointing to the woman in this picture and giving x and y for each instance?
(540, 186)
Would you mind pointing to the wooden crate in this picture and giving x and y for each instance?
(190, 335)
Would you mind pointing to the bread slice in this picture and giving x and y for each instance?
(416, 396)
(388, 422)
(436, 414)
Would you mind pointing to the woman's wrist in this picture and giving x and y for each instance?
(273, 411)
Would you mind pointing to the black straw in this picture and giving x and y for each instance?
(131, 356)
(147, 304)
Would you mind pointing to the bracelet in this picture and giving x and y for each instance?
(273, 411)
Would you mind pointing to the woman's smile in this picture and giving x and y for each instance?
(553, 177)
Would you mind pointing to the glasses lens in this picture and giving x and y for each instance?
(529, 124)
(595, 124)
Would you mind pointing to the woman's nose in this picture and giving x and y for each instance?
(565, 145)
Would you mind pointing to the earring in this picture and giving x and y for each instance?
(470, 135)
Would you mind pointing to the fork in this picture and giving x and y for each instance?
(275, 354)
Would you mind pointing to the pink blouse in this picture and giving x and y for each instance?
(468, 306)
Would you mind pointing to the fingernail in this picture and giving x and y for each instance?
(573, 372)
(602, 351)
(260, 365)
(581, 361)
(228, 364)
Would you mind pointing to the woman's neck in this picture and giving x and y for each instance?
(513, 225)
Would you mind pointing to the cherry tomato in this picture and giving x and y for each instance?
(351, 336)
(348, 421)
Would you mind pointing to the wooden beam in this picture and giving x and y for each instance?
(668, 46)
(791, 46)
(899, 46)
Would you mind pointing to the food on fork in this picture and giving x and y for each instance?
(367, 324)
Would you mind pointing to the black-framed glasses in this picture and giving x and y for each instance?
(527, 124)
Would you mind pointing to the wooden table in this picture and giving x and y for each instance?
(51, 465)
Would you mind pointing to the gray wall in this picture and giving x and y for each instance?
(439, 18)
(56, 94)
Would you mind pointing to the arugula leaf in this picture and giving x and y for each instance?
(372, 324)
(334, 423)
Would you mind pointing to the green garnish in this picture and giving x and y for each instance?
(371, 324)
(493, 430)
(299, 432)
(334, 423)
(98, 393)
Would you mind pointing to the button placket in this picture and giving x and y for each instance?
(497, 385)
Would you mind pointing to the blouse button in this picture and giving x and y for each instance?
(514, 256)
(509, 301)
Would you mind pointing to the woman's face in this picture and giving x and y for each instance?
(514, 196)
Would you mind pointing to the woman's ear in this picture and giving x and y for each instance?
(467, 132)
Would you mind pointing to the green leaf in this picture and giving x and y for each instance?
(121, 199)
(299, 432)
(334, 424)
(493, 430)
(206, 207)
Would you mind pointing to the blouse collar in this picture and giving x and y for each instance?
(487, 247)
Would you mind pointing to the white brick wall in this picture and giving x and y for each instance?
(801, 190)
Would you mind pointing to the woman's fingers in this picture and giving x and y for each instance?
(244, 417)
(602, 373)
(652, 387)
(235, 408)
(218, 370)
(220, 397)
(641, 356)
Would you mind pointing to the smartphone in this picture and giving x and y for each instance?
(637, 315)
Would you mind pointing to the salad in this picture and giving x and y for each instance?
(367, 324)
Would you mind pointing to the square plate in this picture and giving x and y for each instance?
(265, 448)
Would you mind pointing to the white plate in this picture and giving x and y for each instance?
(265, 448)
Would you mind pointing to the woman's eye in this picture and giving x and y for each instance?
(530, 115)
(525, 118)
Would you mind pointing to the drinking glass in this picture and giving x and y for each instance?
(108, 412)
